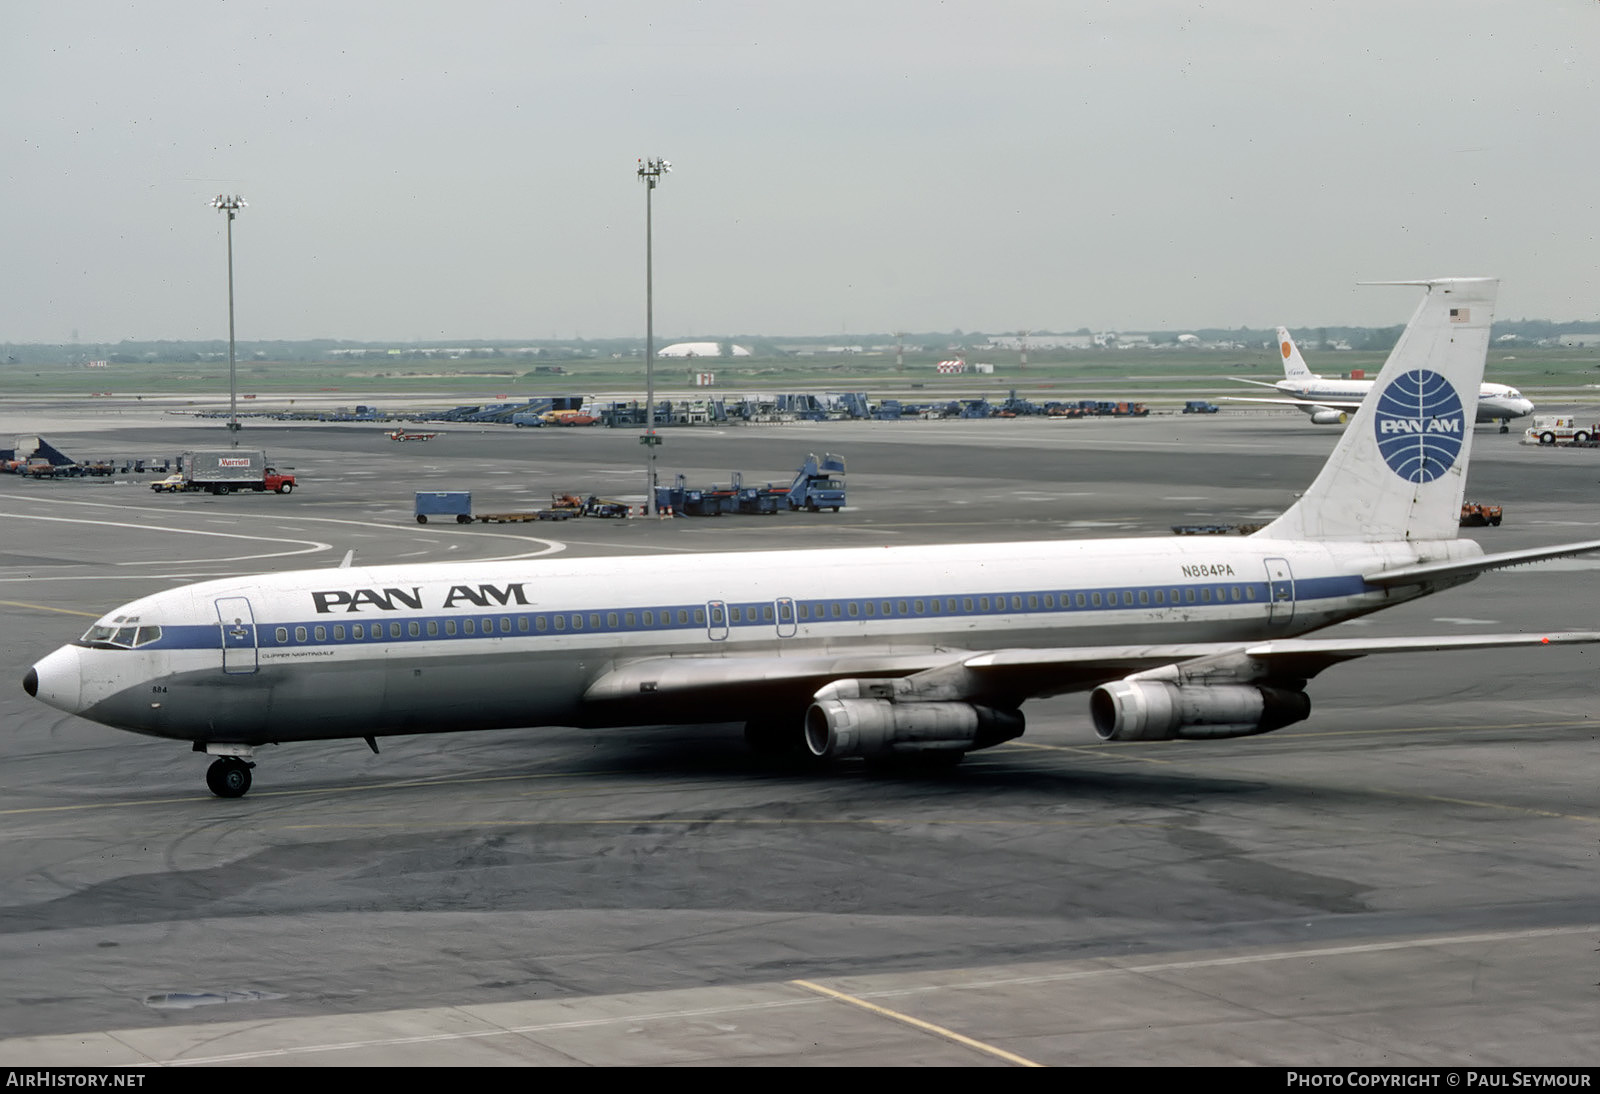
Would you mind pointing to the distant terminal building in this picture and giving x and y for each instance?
(1113, 340)
(703, 349)
(1041, 341)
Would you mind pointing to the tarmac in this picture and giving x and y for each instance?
(1406, 878)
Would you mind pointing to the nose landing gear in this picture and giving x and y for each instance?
(229, 777)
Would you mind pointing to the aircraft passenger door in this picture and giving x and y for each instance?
(238, 625)
(716, 620)
(1280, 592)
(786, 623)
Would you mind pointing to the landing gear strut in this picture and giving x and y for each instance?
(229, 777)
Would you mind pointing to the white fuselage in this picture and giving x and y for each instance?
(1496, 402)
(359, 652)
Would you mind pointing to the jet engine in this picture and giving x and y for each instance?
(876, 727)
(1326, 416)
(1152, 710)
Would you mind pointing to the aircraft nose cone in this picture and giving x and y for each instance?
(57, 680)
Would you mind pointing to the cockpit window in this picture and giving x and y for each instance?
(104, 637)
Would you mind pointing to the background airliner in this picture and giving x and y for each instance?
(891, 653)
(1331, 402)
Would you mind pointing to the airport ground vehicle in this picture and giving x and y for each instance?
(1098, 408)
(457, 504)
(37, 458)
(569, 417)
(683, 500)
(1124, 410)
(40, 468)
(1216, 529)
(819, 484)
(224, 470)
(1474, 515)
(1200, 406)
(1550, 429)
(604, 507)
(444, 503)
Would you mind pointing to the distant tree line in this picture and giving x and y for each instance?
(1375, 339)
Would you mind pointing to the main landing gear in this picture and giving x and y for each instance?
(229, 777)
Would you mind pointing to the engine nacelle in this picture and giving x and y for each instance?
(1329, 417)
(1152, 710)
(837, 728)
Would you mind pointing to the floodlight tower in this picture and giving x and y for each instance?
(231, 204)
(650, 172)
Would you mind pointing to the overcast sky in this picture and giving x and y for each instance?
(421, 170)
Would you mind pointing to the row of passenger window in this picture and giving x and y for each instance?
(476, 626)
(807, 611)
(1033, 602)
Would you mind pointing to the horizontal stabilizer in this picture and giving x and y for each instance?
(1427, 571)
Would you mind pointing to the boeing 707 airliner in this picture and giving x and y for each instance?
(921, 653)
(1332, 402)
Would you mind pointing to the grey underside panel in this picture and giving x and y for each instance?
(353, 699)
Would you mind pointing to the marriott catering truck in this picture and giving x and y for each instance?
(224, 470)
(1563, 429)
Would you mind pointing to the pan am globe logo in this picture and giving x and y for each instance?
(1421, 425)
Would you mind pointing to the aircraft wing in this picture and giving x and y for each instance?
(1279, 658)
(1328, 404)
(668, 688)
(665, 685)
(662, 683)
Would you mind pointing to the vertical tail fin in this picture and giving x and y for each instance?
(1294, 366)
(1400, 469)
